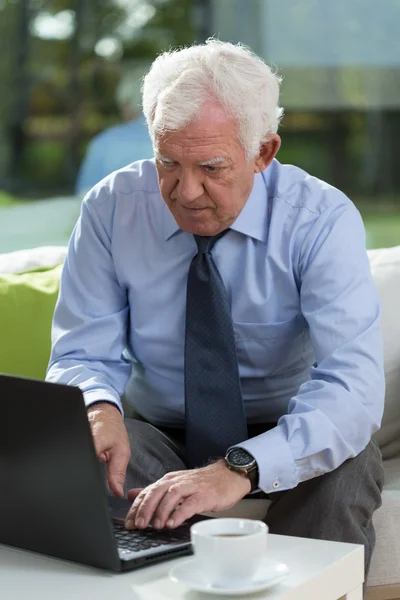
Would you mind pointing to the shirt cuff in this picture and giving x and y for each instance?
(102, 396)
(276, 467)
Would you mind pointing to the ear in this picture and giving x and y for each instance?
(268, 151)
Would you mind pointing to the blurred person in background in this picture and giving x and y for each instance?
(121, 144)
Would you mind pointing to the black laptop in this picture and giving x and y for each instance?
(53, 497)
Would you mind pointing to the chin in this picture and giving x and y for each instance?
(199, 229)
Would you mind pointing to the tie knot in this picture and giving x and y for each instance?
(205, 243)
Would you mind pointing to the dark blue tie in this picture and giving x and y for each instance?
(215, 417)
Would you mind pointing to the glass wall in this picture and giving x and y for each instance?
(340, 63)
(60, 65)
(61, 62)
(59, 68)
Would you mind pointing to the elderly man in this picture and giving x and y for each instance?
(239, 289)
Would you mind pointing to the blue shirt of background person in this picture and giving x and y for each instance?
(119, 145)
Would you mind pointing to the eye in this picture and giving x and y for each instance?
(211, 169)
(167, 164)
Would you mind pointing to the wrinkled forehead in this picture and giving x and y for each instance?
(206, 139)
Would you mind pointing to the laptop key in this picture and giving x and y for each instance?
(149, 538)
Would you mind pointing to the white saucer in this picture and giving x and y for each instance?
(269, 574)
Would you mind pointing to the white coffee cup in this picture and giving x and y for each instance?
(229, 551)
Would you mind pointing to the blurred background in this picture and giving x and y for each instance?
(63, 62)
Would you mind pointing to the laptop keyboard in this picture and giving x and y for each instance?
(136, 541)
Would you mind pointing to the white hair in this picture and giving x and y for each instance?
(181, 81)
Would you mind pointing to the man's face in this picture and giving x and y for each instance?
(203, 172)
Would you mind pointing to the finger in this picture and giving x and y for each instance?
(148, 504)
(189, 507)
(172, 498)
(116, 470)
(131, 516)
(99, 447)
(133, 494)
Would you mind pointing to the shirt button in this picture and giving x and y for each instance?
(275, 485)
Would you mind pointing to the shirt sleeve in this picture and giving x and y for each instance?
(89, 332)
(334, 414)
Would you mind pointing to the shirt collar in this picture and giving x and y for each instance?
(252, 221)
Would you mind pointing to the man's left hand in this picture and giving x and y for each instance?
(181, 494)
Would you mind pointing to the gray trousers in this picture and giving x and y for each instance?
(337, 506)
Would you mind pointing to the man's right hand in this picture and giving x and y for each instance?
(111, 443)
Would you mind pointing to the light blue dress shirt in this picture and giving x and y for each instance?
(304, 308)
(113, 149)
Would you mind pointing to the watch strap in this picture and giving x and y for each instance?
(252, 474)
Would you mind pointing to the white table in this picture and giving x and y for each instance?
(318, 571)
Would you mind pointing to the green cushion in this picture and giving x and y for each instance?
(27, 302)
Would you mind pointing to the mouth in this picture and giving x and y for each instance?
(194, 209)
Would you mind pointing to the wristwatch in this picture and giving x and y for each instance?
(241, 461)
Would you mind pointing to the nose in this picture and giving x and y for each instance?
(190, 187)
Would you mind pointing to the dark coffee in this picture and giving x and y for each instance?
(230, 534)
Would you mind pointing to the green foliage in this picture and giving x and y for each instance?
(175, 19)
(45, 160)
(305, 152)
(8, 199)
(383, 231)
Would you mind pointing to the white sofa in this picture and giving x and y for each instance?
(384, 577)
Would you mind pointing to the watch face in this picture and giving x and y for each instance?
(238, 457)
